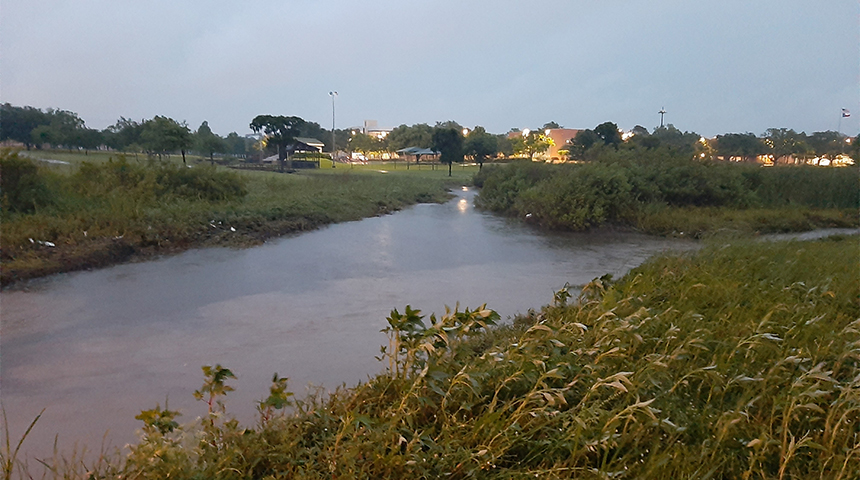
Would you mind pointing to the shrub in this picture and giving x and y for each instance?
(22, 186)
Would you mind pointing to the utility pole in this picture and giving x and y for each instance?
(662, 112)
(332, 94)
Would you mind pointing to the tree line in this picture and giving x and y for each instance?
(162, 135)
(782, 144)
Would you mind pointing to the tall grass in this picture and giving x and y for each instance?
(740, 361)
(666, 195)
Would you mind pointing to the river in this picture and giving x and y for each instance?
(95, 348)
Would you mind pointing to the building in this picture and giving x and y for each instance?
(559, 137)
(371, 127)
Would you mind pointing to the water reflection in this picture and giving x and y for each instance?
(95, 348)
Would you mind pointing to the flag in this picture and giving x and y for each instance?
(845, 113)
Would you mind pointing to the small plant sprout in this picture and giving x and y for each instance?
(214, 386)
(158, 420)
(279, 399)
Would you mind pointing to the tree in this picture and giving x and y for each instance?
(449, 142)
(480, 145)
(419, 135)
(18, 123)
(536, 142)
(826, 144)
(550, 125)
(582, 142)
(280, 130)
(89, 139)
(123, 134)
(162, 135)
(744, 145)
(209, 143)
(236, 145)
(363, 143)
(783, 142)
(608, 132)
(675, 139)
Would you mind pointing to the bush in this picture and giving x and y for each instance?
(624, 186)
(22, 186)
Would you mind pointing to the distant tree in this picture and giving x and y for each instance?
(536, 142)
(826, 144)
(582, 142)
(236, 145)
(449, 142)
(676, 139)
(419, 135)
(90, 139)
(782, 142)
(162, 135)
(123, 134)
(45, 134)
(744, 145)
(480, 145)
(549, 125)
(366, 144)
(280, 130)
(854, 149)
(450, 124)
(64, 128)
(208, 143)
(504, 145)
(18, 123)
(608, 132)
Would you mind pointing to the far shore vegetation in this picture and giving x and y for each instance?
(661, 192)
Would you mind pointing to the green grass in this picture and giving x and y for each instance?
(102, 218)
(739, 361)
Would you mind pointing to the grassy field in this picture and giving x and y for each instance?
(88, 214)
(738, 361)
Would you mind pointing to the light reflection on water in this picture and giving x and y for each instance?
(95, 348)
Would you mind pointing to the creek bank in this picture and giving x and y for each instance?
(44, 260)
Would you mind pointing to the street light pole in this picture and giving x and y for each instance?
(332, 94)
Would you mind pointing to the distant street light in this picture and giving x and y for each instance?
(333, 145)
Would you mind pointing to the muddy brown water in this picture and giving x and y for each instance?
(95, 348)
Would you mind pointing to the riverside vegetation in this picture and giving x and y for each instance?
(661, 192)
(58, 219)
(738, 361)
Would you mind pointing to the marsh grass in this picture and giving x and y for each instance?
(738, 361)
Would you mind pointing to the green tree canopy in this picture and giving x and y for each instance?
(18, 123)
(744, 145)
(208, 143)
(481, 145)
(419, 135)
(163, 135)
(281, 131)
(449, 142)
(608, 132)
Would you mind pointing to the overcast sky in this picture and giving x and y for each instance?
(717, 67)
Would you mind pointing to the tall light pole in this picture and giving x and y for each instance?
(662, 112)
(332, 94)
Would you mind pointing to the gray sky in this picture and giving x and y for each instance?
(716, 67)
